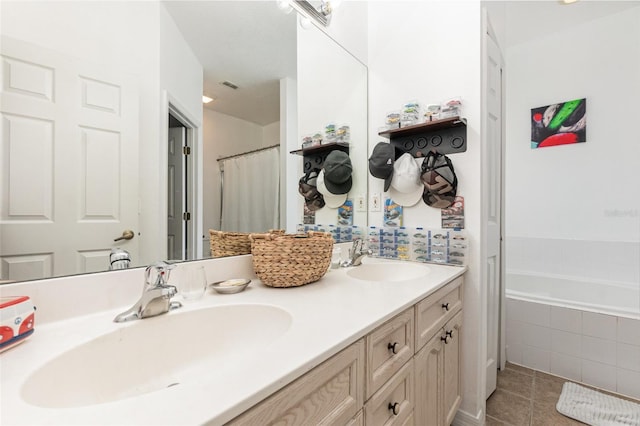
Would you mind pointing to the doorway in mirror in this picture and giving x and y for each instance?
(180, 189)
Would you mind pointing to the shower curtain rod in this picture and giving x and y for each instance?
(248, 152)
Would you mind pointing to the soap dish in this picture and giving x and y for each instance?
(235, 285)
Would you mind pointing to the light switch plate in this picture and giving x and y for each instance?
(360, 204)
(375, 202)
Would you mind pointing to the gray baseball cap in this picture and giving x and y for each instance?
(337, 172)
(381, 163)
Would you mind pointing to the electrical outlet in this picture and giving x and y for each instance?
(375, 202)
(360, 204)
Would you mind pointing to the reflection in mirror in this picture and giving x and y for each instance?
(332, 90)
(242, 74)
(62, 205)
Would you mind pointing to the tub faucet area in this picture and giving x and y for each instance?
(156, 295)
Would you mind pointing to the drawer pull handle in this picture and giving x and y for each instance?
(445, 339)
(449, 333)
(395, 408)
(393, 347)
(445, 306)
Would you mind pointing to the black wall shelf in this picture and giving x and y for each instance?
(314, 156)
(446, 136)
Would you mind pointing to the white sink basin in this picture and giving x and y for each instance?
(155, 353)
(388, 271)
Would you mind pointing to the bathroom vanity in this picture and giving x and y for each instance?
(343, 350)
(406, 371)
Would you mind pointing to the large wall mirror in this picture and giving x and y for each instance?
(291, 81)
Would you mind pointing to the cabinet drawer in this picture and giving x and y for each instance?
(434, 311)
(389, 347)
(393, 403)
(331, 393)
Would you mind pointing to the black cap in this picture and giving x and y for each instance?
(439, 180)
(381, 162)
(337, 172)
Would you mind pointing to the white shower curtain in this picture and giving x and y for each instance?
(251, 192)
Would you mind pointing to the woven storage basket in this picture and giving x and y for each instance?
(285, 260)
(225, 244)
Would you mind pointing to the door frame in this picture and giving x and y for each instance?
(193, 186)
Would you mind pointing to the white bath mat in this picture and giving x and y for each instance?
(595, 408)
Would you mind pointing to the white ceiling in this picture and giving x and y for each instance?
(253, 44)
(249, 43)
(528, 20)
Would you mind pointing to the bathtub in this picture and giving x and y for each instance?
(584, 330)
(611, 298)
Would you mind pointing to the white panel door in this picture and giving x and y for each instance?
(176, 200)
(492, 209)
(69, 163)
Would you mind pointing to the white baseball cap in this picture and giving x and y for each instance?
(331, 200)
(406, 188)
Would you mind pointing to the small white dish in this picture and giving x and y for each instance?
(234, 285)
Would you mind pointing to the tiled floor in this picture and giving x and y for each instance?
(526, 397)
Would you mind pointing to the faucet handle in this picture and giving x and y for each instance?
(356, 246)
(162, 270)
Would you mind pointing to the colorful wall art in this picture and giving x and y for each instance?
(559, 124)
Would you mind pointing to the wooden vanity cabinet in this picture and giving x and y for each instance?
(438, 361)
(393, 403)
(405, 372)
(358, 420)
(388, 348)
(452, 364)
(330, 394)
(436, 309)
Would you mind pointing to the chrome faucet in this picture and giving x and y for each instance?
(119, 259)
(357, 252)
(156, 295)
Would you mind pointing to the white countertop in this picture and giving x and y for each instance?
(327, 316)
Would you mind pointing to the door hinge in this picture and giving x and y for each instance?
(186, 150)
(186, 216)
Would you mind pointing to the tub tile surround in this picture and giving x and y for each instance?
(601, 260)
(628, 331)
(596, 349)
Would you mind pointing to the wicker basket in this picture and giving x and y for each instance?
(225, 244)
(285, 260)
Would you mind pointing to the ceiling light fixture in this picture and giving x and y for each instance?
(569, 1)
(285, 6)
(206, 99)
(321, 15)
(305, 22)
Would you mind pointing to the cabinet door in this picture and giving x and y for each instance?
(429, 378)
(389, 347)
(358, 420)
(330, 394)
(393, 404)
(452, 358)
